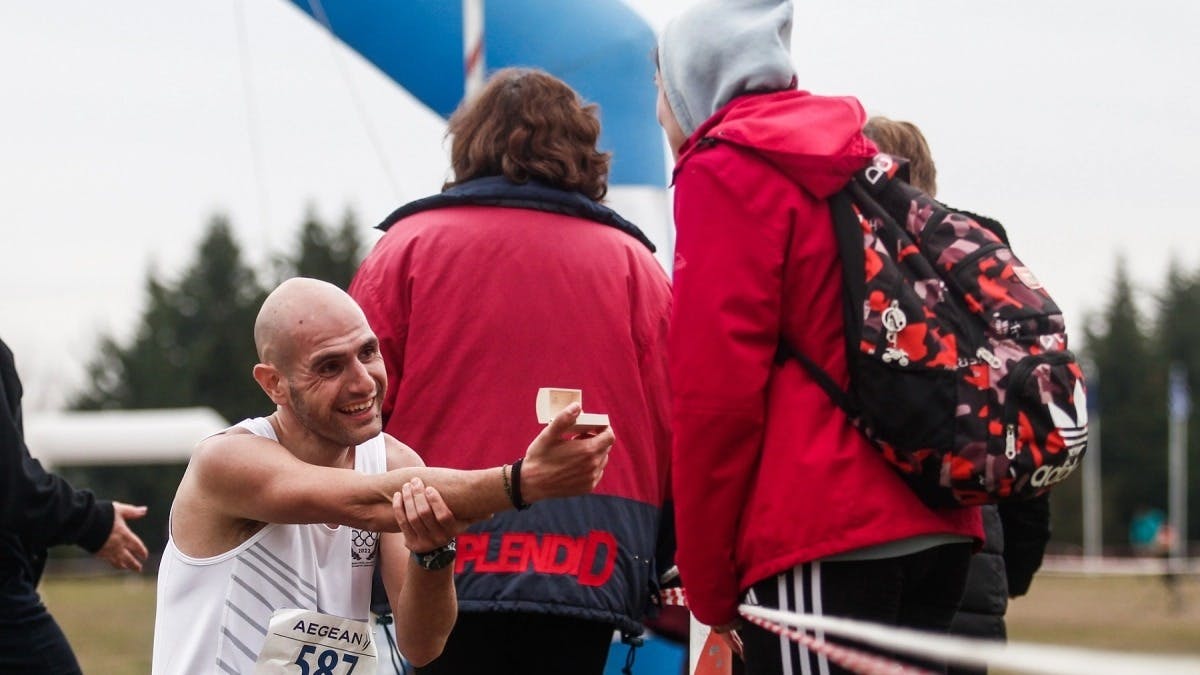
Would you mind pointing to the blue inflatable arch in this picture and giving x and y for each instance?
(602, 48)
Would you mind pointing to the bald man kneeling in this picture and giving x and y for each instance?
(279, 521)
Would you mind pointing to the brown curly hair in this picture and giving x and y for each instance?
(526, 124)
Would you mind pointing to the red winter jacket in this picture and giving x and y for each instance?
(484, 293)
(767, 472)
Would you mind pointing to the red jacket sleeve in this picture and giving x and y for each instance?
(724, 334)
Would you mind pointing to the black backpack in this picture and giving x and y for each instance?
(959, 368)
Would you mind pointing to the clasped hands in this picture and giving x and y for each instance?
(556, 464)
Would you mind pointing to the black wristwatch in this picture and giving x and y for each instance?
(437, 558)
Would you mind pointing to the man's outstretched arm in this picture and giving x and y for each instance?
(248, 477)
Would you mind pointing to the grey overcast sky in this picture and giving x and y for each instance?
(125, 126)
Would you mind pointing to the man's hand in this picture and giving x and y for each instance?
(424, 518)
(555, 466)
(123, 549)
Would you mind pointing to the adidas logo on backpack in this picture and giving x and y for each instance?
(959, 368)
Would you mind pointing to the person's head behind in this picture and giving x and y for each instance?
(718, 50)
(904, 139)
(526, 124)
(320, 361)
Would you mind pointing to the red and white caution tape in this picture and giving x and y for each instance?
(674, 597)
(851, 659)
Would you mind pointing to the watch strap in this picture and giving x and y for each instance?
(438, 558)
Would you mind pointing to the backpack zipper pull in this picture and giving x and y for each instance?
(1010, 441)
(991, 359)
(894, 321)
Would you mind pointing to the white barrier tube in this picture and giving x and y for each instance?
(1020, 657)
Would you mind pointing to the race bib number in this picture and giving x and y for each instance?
(303, 642)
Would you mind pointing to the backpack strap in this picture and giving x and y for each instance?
(845, 225)
(863, 190)
(840, 398)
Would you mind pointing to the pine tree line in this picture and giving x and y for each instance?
(1132, 348)
(193, 345)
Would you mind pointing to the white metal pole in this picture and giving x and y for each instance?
(1180, 409)
(1093, 537)
(473, 43)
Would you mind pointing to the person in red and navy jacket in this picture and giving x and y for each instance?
(779, 500)
(514, 278)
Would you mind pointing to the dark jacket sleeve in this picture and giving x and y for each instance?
(1026, 531)
(985, 597)
(40, 507)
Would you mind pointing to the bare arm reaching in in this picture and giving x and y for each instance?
(238, 482)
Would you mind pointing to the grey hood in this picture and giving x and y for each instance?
(720, 49)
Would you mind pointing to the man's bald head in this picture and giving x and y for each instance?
(296, 309)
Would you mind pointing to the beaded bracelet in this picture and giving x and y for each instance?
(507, 485)
(515, 495)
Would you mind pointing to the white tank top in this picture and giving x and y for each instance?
(212, 613)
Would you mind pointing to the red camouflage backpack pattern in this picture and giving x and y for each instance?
(959, 368)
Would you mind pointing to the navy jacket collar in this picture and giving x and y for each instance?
(499, 191)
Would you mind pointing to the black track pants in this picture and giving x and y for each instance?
(920, 591)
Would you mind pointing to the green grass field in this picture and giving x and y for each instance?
(1123, 613)
(110, 621)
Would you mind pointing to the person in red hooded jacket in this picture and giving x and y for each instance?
(780, 501)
